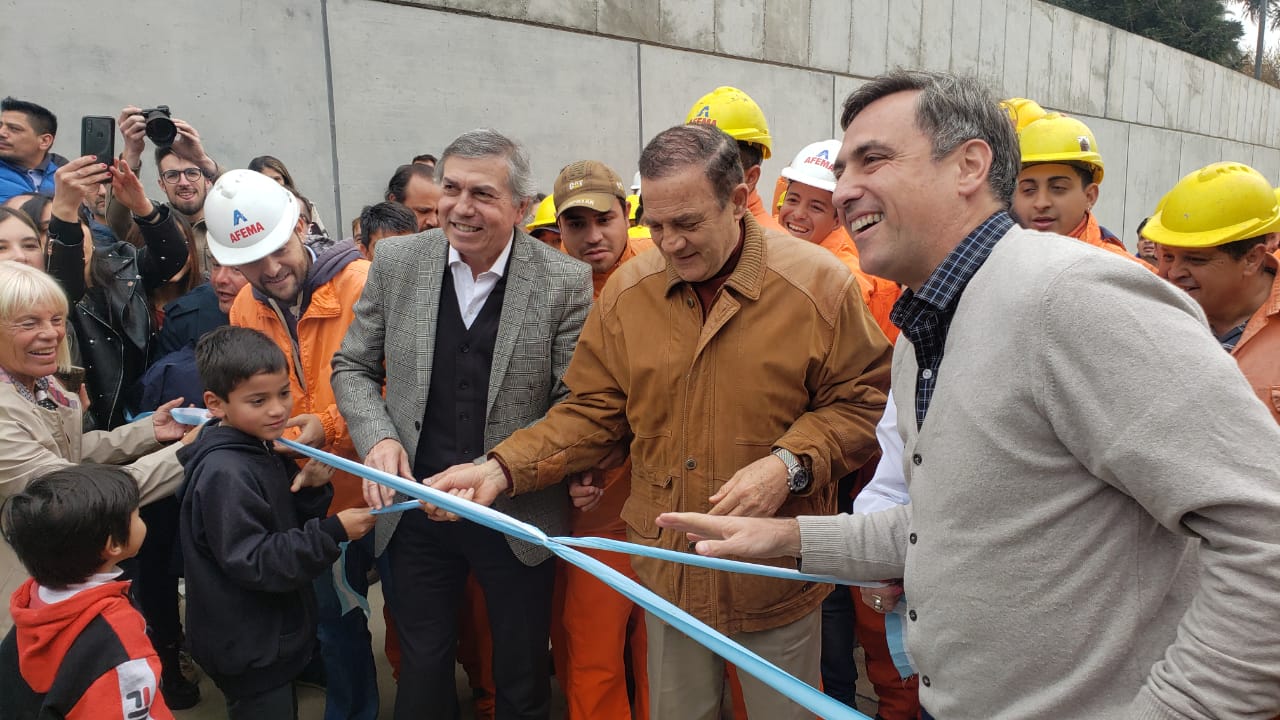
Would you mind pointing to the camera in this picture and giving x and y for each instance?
(160, 128)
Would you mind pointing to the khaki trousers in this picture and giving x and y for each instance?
(686, 680)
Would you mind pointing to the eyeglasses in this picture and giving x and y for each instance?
(191, 174)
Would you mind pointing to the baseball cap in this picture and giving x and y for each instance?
(590, 184)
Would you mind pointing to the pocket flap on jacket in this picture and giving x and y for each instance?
(650, 495)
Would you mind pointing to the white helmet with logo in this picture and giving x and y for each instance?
(248, 216)
(814, 165)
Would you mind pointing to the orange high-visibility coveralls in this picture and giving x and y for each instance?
(762, 214)
(879, 294)
(1090, 232)
(594, 629)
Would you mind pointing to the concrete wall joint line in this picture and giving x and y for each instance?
(639, 101)
(1111, 56)
(333, 119)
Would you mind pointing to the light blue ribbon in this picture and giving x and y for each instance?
(619, 546)
(895, 636)
(799, 692)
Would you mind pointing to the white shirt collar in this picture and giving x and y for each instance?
(499, 266)
(50, 596)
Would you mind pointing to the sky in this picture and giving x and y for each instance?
(1250, 36)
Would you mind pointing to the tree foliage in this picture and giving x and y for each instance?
(1270, 65)
(1199, 27)
(1253, 8)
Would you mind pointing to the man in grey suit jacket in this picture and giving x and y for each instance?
(471, 327)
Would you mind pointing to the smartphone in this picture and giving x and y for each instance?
(71, 379)
(98, 137)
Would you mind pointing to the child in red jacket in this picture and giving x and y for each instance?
(78, 648)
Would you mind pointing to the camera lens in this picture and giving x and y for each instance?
(160, 129)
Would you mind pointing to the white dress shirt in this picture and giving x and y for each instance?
(888, 487)
(473, 291)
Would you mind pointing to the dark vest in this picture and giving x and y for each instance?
(453, 423)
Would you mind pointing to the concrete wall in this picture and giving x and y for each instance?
(344, 90)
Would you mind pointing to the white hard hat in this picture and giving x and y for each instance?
(248, 216)
(635, 184)
(814, 165)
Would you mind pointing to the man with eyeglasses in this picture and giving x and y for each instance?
(186, 174)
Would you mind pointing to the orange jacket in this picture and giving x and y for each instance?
(879, 294)
(1089, 231)
(1258, 352)
(762, 215)
(320, 332)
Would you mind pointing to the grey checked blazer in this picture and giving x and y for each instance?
(547, 298)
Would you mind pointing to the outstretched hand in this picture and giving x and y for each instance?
(723, 536)
(166, 428)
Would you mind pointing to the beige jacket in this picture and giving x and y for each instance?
(34, 441)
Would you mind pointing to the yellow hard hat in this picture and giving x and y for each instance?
(633, 202)
(1215, 205)
(734, 112)
(1022, 112)
(1056, 138)
(544, 216)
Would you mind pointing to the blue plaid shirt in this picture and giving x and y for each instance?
(925, 316)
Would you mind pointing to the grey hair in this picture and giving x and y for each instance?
(951, 110)
(25, 289)
(676, 148)
(487, 142)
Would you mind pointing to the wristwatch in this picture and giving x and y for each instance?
(798, 476)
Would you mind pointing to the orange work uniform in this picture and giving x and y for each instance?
(1090, 232)
(762, 214)
(1258, 350)
(594, 629)
(320, 331)
(779, 189)
(879, 294)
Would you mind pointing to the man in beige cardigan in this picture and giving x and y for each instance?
(1057, 506)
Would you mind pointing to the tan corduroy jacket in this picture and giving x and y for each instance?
(788, 356)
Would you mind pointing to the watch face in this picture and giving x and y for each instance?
(799, 481)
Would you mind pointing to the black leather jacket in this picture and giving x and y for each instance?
(113, 321)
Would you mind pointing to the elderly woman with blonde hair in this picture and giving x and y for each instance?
(40, 421)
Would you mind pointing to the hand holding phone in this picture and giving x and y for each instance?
(98, 138)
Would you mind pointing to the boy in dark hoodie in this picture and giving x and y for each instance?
(304, 292)
(253, 529)
(78, 648)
